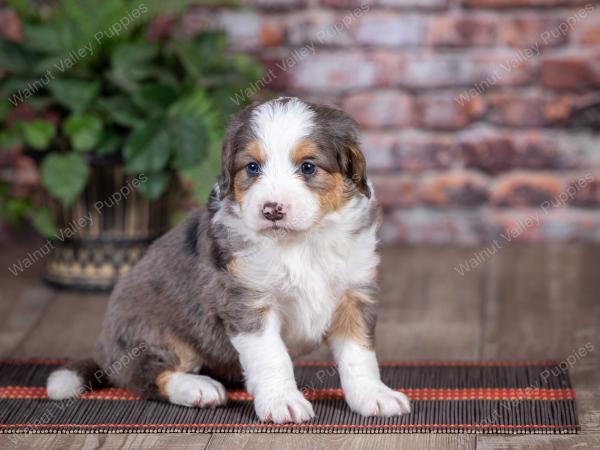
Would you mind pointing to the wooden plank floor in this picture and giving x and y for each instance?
(525, 302)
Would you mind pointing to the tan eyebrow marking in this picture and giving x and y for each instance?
(256, 152)
(303, 150)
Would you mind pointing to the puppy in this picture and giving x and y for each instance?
(282, 258)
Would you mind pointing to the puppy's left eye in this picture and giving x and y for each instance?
(307, 168)
(253, 169)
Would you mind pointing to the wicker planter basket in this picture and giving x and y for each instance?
(105, 231)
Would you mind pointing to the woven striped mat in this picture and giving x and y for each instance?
(447, 397)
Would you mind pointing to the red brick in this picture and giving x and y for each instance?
(558, 109)
(587, 31)
(411, 5)
(520, 3)
(470, 31)
(344, 4)
(197, 19)
(10, 25)
(494, 152)
(536, 150)
(443, 112)
(427, 226)
(242, 27)
(584, 190)
(416, 152)
(480, 72)
(274, 77)
(515, 109)
(394, 190)
(491, 153)
(271, 32)
(526, 189)
(575, 110)
(8, 158)
(25, 176)
(391, 65)
(508, 225)
(380, 109)
(415, 4)
(572, 71)
(319, 27)
(455, 188)
(246, 30)
(535, 31)
(571, 225)
(275, 4)
(389, 29)
(379, 148)
(408, 151)
(331, 71)
(160, 27)
(555, 225)
(577, 150)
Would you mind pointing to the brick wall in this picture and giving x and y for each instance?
(478, 116)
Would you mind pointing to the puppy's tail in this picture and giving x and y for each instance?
(74, 379)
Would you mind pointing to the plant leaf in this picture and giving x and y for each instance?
(42, 37)
(131, 64)
(109, 144)
(155, 184)
(11, 138)
(84, 130)
(64, 176)
(38, 133)
(121, 111)
(147, 148)
(189, 138)
(4, 108)
(154, 97)
(43, 222)
(204, 176)
(15, 58)
(74, 94)
(15, 209)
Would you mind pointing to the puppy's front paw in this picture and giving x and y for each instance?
(288, 406)
(376, 399)
(195, 390)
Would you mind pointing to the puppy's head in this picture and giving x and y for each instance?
(288, 163)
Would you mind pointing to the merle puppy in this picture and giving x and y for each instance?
(282, 258)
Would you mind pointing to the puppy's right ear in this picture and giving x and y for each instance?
(229, 148)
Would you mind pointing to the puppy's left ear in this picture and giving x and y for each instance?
(228, 150)
(354, 166)
(227, 159)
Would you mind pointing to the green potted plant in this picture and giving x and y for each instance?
(116, 114)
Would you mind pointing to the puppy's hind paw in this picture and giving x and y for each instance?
(288, 407)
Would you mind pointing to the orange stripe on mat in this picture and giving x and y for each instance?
(26, 392)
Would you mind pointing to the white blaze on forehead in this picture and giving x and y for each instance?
(280, 125)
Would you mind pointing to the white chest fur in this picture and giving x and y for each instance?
(305, 277)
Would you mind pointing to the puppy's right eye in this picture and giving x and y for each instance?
(253, 169)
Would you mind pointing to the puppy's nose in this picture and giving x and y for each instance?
(273, 211)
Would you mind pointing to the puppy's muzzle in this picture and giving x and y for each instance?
(273, 211)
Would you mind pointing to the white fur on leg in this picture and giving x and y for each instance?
(270, 375)
(64, 383)
(195, 390)
(359, 373)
